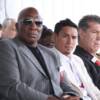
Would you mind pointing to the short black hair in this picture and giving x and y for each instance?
(46, 32)
(84, 22)
(0, 26)
(63, 23)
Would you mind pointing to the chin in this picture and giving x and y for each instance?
(67, 52)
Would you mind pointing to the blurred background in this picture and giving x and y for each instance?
(51, 10)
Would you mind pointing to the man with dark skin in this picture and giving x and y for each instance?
(29, 71)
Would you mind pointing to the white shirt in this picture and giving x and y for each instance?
(77, 74)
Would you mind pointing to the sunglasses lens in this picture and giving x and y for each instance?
(27, 22)
(38, 23)
(30, 22)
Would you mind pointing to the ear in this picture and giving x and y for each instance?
(55, 37)
(81, 33)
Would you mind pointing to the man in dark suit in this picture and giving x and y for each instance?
(89, 43)
(29, 71)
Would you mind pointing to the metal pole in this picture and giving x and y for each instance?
(5, 7)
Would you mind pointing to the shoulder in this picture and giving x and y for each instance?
(5, 43)
(7, 50)
(77, 59)
(9, 45)
(46, 50)
(50, 53)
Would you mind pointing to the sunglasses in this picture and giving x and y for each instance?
(30, 21)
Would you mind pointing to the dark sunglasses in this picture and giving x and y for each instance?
(31, 21)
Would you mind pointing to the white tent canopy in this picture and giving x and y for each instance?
(51, 10)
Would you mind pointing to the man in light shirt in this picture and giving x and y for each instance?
(72, 67)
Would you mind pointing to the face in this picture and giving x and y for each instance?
(29, 27)
(10, 31)
(48, 41)
(90, 39)
(66, 39)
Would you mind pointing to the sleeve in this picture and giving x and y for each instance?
(68, 87)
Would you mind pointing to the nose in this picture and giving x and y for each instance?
(33, 24)
(70, 40)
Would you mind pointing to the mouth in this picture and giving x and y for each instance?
(33, 35)
(68, 46)
(97, 44)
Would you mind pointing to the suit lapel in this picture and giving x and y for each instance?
(24, 50)
(46, 59)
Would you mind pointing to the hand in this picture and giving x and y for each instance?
(71, 98)
(53, 98)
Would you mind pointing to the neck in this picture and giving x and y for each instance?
(90, 51)
(31, 44)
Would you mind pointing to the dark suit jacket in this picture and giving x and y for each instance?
(92, 68)
(21, 75)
